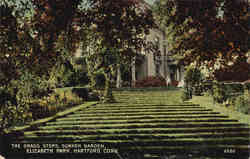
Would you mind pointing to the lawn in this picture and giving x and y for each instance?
(229, 111)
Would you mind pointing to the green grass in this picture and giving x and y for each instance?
(149, 120)
(229, 111)
(113, 131)
(167, 88)
(150, 96)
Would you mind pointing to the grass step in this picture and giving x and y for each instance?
(139, 121)
(211, 130)
(145, 108)
(154, 141)
(167, 138)
(135, 117)
(141, 110)
(141, 113)
(144, 104)
(144, 125)
(143, 135)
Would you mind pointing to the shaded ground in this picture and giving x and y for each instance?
(148, 124)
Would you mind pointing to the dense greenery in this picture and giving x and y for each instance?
(116, 35)
(39, 38)
(212, 34)
(242, 103)
(226, 92)
(193, 82)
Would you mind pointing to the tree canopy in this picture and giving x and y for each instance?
(214, 34)
(36, 34)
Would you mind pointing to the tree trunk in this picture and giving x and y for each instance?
(108, 94)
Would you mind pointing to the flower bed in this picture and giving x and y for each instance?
(151, 81)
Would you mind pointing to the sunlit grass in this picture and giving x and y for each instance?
(229, 111)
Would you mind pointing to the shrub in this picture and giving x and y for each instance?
(174, 83)
(218, 93)
(193, 76)
(9, 112)
(151, 81)
(242, 103)
(17, 98)
(247, 85)
(61, 74)
(81, 92)
(193, 79)
(185, 95)
(79, 78)
(226, 92)
(97, 80)
(55, 102)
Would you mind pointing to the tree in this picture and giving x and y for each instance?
(39, 33)
(31, 34)
(214, 34)
(118, 28)
(34, 40)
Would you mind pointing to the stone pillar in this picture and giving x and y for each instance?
(181, 82)
(177, 74)
(133, 72)
(168, 77)
(118, 78)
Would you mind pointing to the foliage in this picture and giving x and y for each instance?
(115, 36)
(79, 78)
(55, 102)
(226, 92)
(81, 92)
(33, 42)
(247, 85)
(239, 72)
(61, 74)
(185, 95)
(242, 104)
(18, 96)
(8, 111)
(210, 33)
(38, 37)
(151, 81)
(193, 82)
(193, 76)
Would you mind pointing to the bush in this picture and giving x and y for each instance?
(151, 81)
(242, 104)
(78, 78)
(193, 79)
(218, 93)
(97, 80)
(9, 112)
(60, 100)
(17, 98)
(247, 85)
(81, 92)
(185, 95)
(61, 74)
(193, 76)
(174, 83)
(226, 92)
